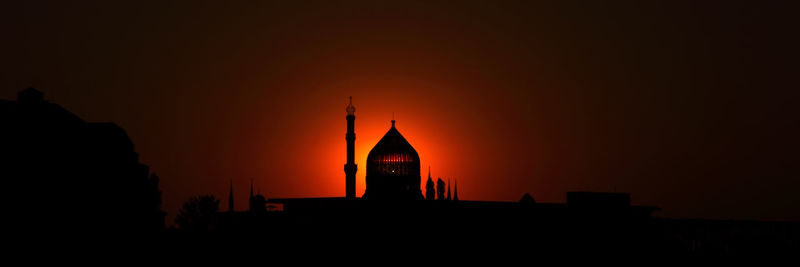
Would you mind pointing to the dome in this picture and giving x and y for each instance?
(393, 169)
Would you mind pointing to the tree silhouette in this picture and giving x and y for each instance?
(48, 153)
(198, 214)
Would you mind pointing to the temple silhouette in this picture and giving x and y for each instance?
(82, 179)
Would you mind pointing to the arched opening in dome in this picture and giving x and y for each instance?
(393, 163)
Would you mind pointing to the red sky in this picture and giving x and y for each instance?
(688, 106)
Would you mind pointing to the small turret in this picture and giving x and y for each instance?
(430, 189)
(440, 189)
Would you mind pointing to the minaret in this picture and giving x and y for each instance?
(448, 189)
(455, 191)
(230, 198)
(350, 167)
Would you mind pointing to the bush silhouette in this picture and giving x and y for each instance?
(198, 214)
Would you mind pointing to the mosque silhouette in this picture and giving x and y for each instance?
(78, 179)
(393, 202)
(589, 223)
(393, 177)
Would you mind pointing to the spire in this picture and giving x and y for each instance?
(230, 198)
(455, 191)
(448, 189)
(430, 188)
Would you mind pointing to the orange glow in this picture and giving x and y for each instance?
(506, 98)
(456, 143)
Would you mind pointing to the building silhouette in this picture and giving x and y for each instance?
(258, 203)
(392, 205)
(393, 169)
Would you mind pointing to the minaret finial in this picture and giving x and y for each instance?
(350, 108)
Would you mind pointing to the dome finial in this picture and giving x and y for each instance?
(350, 108)
(392, 119)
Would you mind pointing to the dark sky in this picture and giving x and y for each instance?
(688, 105)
